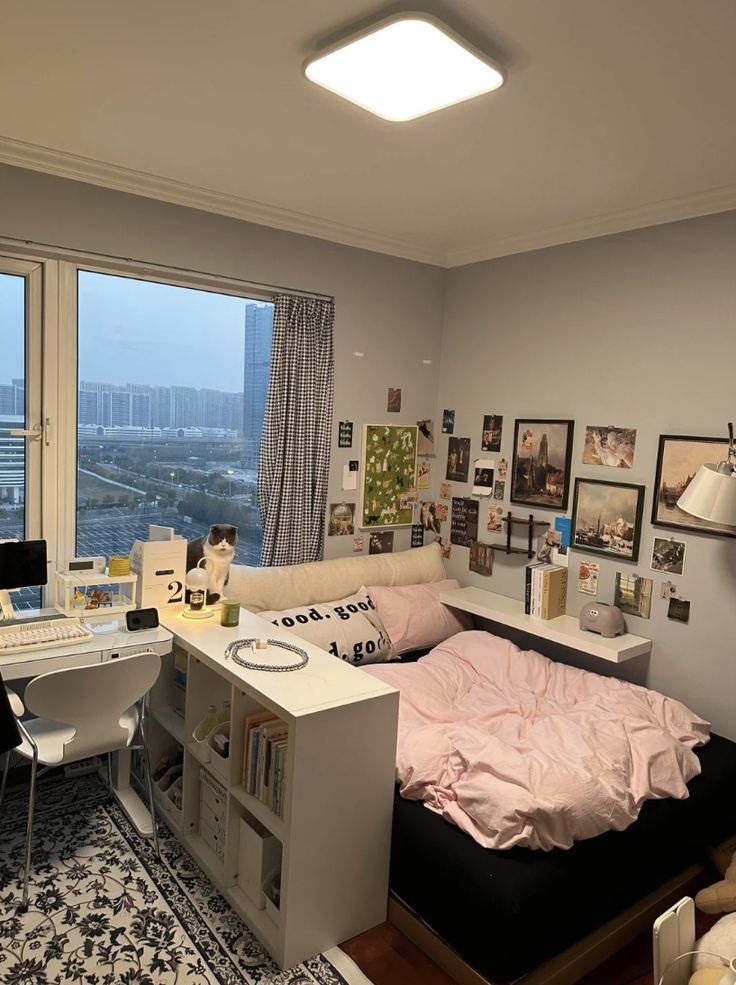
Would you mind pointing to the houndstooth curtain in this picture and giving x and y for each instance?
(294, 460)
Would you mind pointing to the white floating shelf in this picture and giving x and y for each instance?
(564, 629)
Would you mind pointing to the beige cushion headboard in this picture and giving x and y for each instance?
(260, 589)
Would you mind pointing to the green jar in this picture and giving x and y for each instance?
(229, 612)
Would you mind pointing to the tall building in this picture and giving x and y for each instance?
(12, 460)
(162, 410)
(257, 370)
(140, 405)
(12, 398)
(185, 406)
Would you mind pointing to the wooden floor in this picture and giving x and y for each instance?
(386, 957)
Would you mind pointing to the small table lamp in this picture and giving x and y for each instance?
(197, 582)
(711, 494)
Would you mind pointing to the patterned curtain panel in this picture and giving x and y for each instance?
(294, 462)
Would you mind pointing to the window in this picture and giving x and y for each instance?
(171, 391)
(20, 411)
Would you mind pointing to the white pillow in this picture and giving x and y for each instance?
(348, 628)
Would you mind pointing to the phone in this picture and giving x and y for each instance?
(141, 619)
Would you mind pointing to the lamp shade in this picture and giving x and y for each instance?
(711, 495)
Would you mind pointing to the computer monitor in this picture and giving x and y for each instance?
(23, 564)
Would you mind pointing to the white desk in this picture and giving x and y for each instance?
(103, 647)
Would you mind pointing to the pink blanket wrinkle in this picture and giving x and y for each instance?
(516, 749)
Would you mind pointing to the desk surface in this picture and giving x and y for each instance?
(30, 662)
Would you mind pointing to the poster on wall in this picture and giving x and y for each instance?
(464, 521)
(342, 520)
(389, 469)
(492, 432)
(345, 434)
(458, 459)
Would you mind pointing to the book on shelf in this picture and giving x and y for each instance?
(266, 740)
(545, 593)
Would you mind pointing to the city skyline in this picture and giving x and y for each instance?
(158, 334)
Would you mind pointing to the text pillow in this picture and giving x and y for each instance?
(414, 617)
(347, 628)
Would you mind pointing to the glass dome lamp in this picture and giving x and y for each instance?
(197, 581)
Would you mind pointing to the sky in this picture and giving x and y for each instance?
(133, 331)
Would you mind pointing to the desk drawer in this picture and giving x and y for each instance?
(17, 665)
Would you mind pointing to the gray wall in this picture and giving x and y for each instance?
(636, 330)
(389, 309)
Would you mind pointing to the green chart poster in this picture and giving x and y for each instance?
(388, 490)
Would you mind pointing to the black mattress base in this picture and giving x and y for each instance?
(507, 912)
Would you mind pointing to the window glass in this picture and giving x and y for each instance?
(172, 384)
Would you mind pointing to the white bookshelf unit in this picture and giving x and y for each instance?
(334, 836)
(564, 629)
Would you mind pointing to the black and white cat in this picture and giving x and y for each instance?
(218, 547)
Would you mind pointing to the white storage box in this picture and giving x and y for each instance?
(259, 853)
(161, 567)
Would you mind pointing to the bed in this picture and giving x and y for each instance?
(501, 914)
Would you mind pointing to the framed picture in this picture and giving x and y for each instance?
(389, 472)
(606, 518)
(540, 473)
(679, 458)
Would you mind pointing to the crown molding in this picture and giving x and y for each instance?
(707, 202)
(64, 165)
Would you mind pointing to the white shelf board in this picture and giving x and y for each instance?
(564, 629)
(258, 809)
(170, 721)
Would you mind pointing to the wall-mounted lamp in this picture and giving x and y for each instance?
(711, 494)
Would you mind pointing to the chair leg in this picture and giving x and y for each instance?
(149, 784)
(29, 831)
(6, 770)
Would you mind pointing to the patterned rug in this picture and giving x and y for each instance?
(104, 911)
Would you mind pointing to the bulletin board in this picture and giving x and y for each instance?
(388, 490)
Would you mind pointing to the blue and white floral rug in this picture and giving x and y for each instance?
(104, 911)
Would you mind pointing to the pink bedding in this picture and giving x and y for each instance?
(516, 749)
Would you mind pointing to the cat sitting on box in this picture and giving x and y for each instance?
(218, 548)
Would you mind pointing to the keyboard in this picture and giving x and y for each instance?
(42, 636)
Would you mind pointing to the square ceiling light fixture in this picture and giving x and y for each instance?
(404, 67)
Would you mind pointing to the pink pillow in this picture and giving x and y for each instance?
(414, 617)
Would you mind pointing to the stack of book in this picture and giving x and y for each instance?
(546, 590)
(264, 773)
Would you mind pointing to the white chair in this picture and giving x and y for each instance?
(83, 712)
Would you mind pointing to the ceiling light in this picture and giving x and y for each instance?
(405, 67)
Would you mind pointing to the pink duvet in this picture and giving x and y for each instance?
(518, 750)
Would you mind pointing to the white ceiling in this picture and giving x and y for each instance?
(615, 114)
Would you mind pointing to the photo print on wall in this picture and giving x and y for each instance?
(609, 446)
(492, 432)
(381, 542)
(633, 594)
(458, 459)
(668, 555)
(425, 438)
(540, 473)
(483, 477)
(342, 520)
(606, 518)
(679, 610)
(448, 421)
(588, 578)
(345, 434)
(678, 459)
(393, 404)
